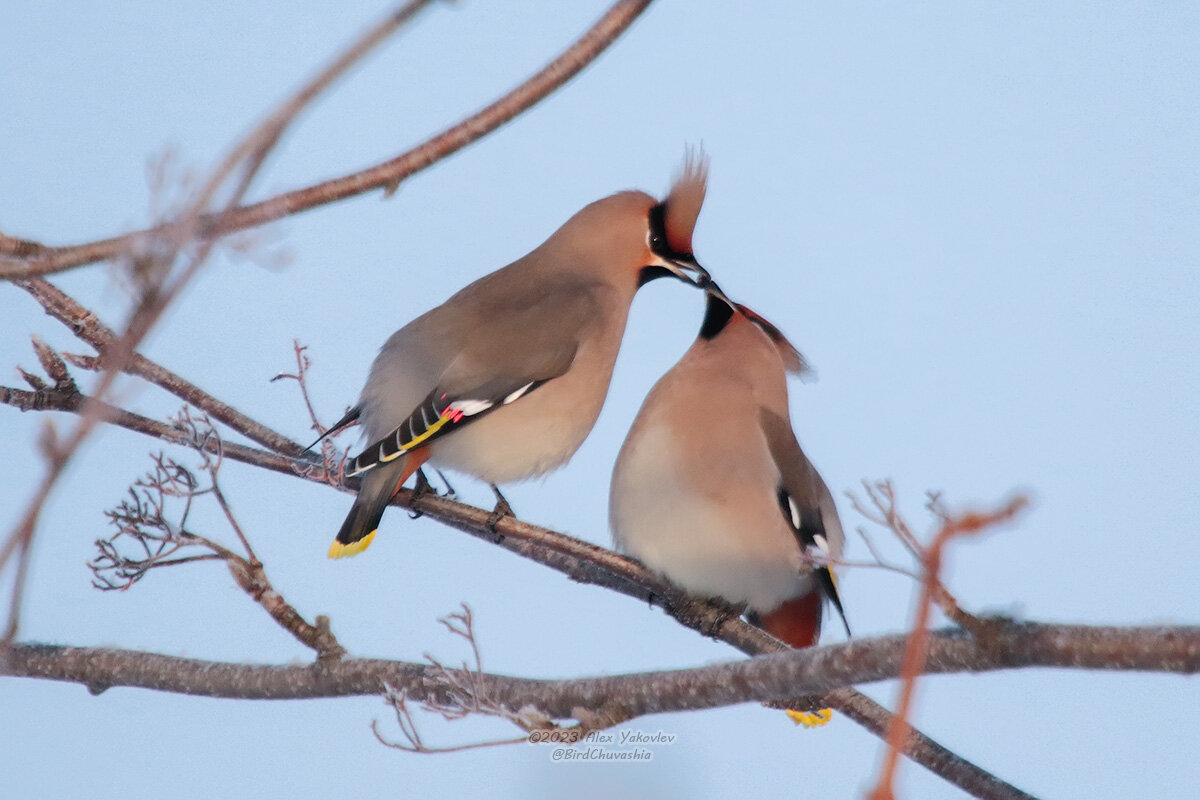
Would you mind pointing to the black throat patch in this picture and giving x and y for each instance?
(716, 316)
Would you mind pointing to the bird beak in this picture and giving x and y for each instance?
(688, 270)
(709, 285)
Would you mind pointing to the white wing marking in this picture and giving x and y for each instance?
(470, 408)
(795, 513)
(518, 394)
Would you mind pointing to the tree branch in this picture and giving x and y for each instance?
(387, 175)
(73, 402)
(1164, 649)
(588, 563)
(86, 326)
(160, 283)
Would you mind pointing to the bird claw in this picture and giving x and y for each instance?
(501, 510)
(421, 487)
(450, 493)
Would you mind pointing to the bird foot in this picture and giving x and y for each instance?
(421, 487)
(814, 719)
(501, 510)
(450, 493)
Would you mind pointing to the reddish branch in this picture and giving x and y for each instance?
(387, 175)
(968, 524)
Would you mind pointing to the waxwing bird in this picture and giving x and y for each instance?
(504, 380)
(712, 490)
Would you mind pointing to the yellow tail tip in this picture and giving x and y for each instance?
(339, 550)
(814, 719)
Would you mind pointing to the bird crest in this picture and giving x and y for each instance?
(685, 199)
(793, 360)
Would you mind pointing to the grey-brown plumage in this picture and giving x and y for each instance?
(505, 379)
(711, 488)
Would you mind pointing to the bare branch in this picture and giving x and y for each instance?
(463, 692)
(300, 376)
(587, 563)
(884, 511)
(54, 366)
(252, 579)
(1163, 649)
(145, 520)
(87, 327)
(52, 400)
(398, 700)
(42, 260)
(333, 458)
(590, 564)
(157, 294)
(255, 147)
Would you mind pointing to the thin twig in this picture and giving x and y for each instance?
(915, 653)
(301, 378)
(144, 519)
(87, 327)
(461, 693)
(884, 510)
(52, 400)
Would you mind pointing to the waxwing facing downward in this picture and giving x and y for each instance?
(504, 380)
(712, 490)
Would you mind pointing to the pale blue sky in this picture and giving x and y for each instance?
(977, 220)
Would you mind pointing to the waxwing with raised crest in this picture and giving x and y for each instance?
(505, 379)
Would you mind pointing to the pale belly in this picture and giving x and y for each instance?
(535, 435)
(744, 564)
(720, 542)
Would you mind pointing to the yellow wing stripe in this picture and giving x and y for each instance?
(437, 425)
(448, 415)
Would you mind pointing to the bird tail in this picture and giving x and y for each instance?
(828, 583)
(797, 622)
(377, 488)
(351, 416)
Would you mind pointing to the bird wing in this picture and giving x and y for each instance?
(805, 502)
(515, 346)
(439, 414)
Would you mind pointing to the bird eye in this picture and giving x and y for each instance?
(657, 233)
